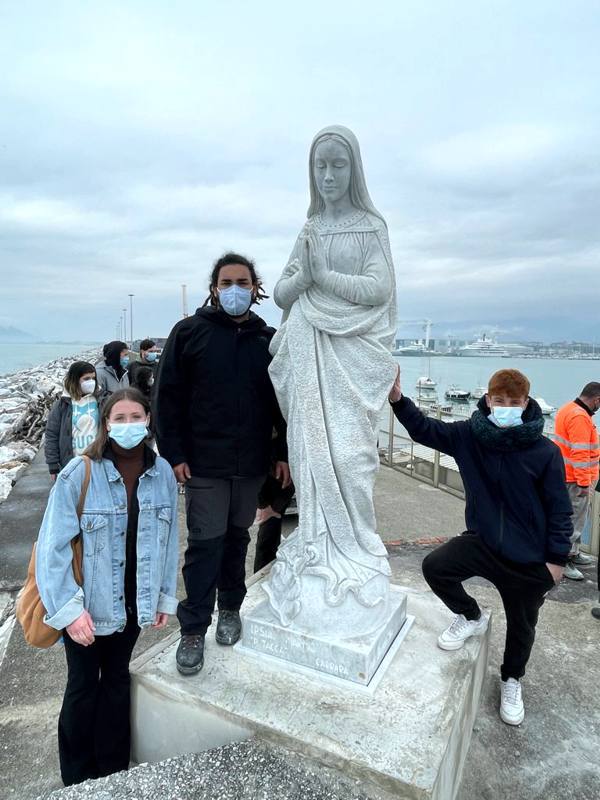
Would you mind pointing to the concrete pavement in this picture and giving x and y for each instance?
(552, 756)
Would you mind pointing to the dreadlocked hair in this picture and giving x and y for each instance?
(226, 260)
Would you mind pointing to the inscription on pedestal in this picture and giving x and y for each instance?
(354, 659)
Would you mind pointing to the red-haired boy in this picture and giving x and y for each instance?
(518, 519)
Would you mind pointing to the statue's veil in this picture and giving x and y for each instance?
(359, 194)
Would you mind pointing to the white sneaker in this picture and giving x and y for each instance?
(461, 629)
(570, 571)
(581, 560)
(512, 710)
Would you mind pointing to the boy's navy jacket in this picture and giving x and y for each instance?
(516, 496)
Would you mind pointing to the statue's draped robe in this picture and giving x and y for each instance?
(332, 370)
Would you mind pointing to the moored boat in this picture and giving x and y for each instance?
(426, 382)
(547, 409)
(455, 393)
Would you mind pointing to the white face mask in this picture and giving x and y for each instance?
(88, 386)
(506, 416)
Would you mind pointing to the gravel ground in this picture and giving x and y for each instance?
(241, 771)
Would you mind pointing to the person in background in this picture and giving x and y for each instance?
(518, 518)
(143, 380)
(130, 557)
(148, 360)
(215, 410)
(577, 437)
(73, 419)
(112, 375)
(273, 502)
(596, 609)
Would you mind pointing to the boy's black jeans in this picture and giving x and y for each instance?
(219, 513)
(93, 727)
(522, 587)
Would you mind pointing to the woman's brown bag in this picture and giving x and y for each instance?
(30, 611)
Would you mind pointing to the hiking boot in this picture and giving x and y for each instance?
(190, 653)
(581, 560)
(571, 572)
(229, 627)
(512, 710)
(461, 629)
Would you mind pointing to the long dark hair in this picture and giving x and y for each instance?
(225, 261)
(96, 449)
(74, 374)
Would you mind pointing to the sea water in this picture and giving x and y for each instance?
(556, 380)
(15, 357)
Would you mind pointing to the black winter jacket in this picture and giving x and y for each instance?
(214, 404)
(58, 442)
(516, 501)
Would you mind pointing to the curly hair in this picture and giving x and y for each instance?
(225, 261)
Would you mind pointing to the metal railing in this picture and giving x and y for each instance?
(403, 455)
(438, 470)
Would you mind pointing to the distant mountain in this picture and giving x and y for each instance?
(10, 335)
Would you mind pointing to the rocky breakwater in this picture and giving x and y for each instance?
(25, 399)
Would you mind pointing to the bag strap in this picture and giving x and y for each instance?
(84, 485)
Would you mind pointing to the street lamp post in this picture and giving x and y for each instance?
(131, 320)
(125, 325)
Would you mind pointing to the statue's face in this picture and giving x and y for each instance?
(332, 170)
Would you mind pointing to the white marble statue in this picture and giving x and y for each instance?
(332, 371)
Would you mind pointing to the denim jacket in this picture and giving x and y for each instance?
(103, 530)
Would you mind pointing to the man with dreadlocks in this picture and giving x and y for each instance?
(215, 411)
(518, 518)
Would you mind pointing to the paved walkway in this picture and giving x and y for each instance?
(553, 756)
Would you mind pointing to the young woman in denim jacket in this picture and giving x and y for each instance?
(130, 558)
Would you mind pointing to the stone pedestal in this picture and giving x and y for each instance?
(406, 738)
(353, 658)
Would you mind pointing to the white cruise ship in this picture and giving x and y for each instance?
(483, 347)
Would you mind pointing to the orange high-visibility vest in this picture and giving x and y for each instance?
(577, 437)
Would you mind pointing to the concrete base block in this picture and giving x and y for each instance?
(406, 739)
(354, 659)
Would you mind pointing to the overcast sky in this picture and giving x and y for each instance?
(139, 140)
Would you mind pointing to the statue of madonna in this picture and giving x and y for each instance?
(332, 371)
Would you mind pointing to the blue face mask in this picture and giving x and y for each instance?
(235, 300)
(128, 434)
(150, 357)
(506, 416)
(124, 362)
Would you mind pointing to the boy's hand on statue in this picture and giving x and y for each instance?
(82, 629)
(182, 472)
(396, 390)
(556, 571)
(160, 620)
(282, 473)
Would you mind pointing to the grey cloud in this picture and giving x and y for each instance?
(139, 142)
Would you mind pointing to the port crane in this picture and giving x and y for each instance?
(426, 324)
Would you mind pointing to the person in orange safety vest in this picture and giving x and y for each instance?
(577, 437)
